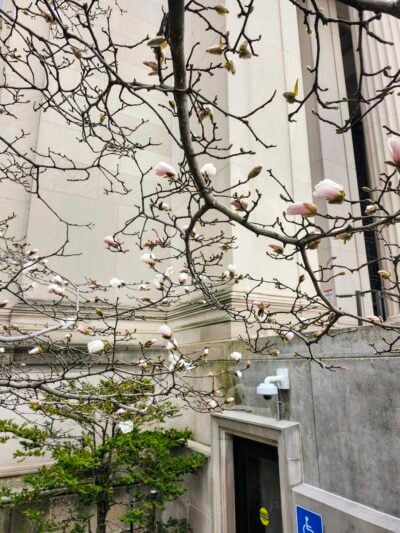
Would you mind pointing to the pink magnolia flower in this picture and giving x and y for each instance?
(330, 191)
(302, 208)
(276, 247)
(110, 241)
(288, 335)
(394, 148)
(83, 329)
(165, 170)
(166, 331)
(151, 64)
(183, 277)
(374, 318)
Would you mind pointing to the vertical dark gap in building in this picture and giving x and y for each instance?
(360, 156)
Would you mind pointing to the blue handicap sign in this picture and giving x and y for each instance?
(308, 521)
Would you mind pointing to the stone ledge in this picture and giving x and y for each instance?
(355, 515)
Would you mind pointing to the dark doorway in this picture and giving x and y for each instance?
(257, 487)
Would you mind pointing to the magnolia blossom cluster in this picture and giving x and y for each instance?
(57, 286)
(326, 189)
(231, 272)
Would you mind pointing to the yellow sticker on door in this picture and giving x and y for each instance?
(264, 516)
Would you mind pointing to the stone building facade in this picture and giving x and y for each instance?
(337, 441)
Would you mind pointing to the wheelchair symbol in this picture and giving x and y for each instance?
(307, 528)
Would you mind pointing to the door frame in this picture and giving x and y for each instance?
(283, 434)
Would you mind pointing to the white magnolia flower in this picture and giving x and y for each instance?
(231, 272)
(116, 283)
(177, 362)
(236, 356)
(56, 289)
(120, 411)
(183, 277)
(96, 346)
(208, 171)
(125, 426)
(212, 404)
(2, 350)
(36, 350)
(238, 374)
(149, 259)
(58, 280)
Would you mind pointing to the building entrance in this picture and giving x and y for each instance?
(257, 487)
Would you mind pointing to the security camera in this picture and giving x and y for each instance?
(267, 390)
(271, 384)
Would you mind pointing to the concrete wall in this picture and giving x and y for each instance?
(347, 407)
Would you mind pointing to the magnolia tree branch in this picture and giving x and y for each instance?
(184, 250)
(389, 7)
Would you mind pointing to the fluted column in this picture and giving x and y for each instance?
(375, 57)
(332, 156)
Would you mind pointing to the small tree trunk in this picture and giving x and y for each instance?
(102, 508)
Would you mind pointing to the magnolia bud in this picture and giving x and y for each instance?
(370, 209)
(230, 66)
(254, 172)
(244, 51)
(157, 41)
(221, 10)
